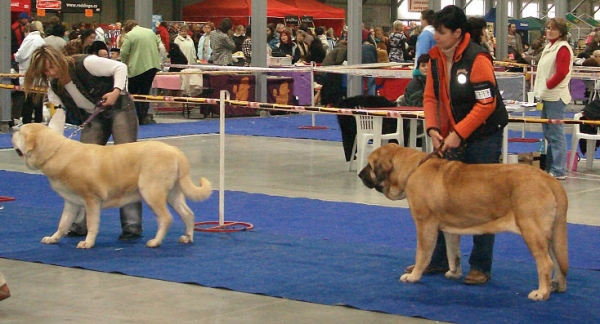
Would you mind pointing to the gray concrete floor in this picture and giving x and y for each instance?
(274, 166)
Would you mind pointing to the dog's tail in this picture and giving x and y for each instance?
(559, 234)
(189, 189)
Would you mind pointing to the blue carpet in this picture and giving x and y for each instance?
(310, 250)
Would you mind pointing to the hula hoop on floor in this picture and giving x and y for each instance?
(227, 227)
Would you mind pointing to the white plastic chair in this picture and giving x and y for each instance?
(591, 145)
(369, 128)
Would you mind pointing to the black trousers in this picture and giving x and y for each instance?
(141, 84)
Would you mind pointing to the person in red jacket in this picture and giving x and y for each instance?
(18, 32)
(163, 31)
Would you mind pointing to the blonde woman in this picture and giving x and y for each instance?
(397, 42)
(77, 83)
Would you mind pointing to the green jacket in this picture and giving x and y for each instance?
(140, 51)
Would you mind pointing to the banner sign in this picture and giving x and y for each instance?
(70, 6)
(306, 19)
(291, 20)
(418, 5)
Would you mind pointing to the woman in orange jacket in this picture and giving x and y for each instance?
(464, 116)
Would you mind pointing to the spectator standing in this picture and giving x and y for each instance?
(286, 45)
(425, 40)
(56, 37)
(552, 89)
(247, 46)
(369, 55)
(174, 30)
(18, 32)
(140, 52)
(272, 39)
(238, 37)
(381, 39)
(163, 32)
(397, 41)
(204, 48)
(316, 51)
(515, 43)
(593, 44)
(301, 52)
(32, 41)
(320, 33)
(186, 44)
(222, 44)
(100, 35)
(331, 39)
(79, 45)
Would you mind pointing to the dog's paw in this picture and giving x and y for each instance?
(185, 239)
(85, 245)
(538, 295)
(49, 240)
(453, 274)
(408, 277)
(153, 243)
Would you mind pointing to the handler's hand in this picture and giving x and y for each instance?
(451, 141)
(436, 139)
(110, 98)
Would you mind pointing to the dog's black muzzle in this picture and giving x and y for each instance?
(369, 179)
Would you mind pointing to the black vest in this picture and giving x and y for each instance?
(91, 87)
(462, 95)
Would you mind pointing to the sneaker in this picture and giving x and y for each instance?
(558, 177)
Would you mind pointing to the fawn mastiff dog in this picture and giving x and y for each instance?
(460, 198)
(95, 177)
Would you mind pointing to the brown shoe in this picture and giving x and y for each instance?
(476, 277)
(429, 270)
(4, 292)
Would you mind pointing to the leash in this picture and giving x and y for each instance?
(98, 109)
(436, 152)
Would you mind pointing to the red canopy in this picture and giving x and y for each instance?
(238, 11)
(316, 9)
(323, 15)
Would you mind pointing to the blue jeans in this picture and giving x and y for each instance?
(556, 152)
(371, 86)
(479, 151)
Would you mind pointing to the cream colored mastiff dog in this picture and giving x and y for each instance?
(460, 198)
(95, 177)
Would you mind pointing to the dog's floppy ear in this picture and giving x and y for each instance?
(383, 166)
(57, 123)
(29, 142)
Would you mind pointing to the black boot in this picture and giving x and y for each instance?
(131, 221)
